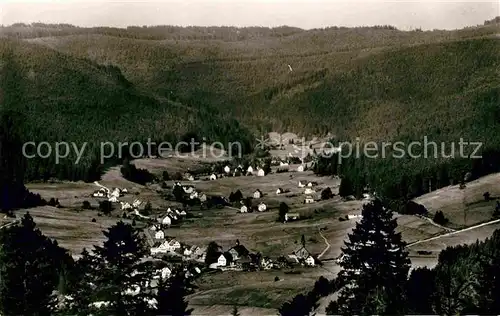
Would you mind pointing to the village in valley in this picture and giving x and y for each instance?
(236, 226)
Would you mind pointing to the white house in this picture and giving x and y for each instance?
(113, 199)
(126, 206)
(351, 216)
(300, 168)
(193, 195)
(308, 200)
(301, 185)
(190, 178)
(116, 192)
(291, 216)
(279, 191)
(160, 235)
(166, 221)
(309, 191)
(310, 261)
(213, 177)
(310, 184)
(174, 245)
(249, 170)
(165, 273)
(221, 261)
(188, 190)
(227, 169)
(136, 203)
(244, 209)
(183, 213)
(260, 173)
(262, 207)
(257, 194)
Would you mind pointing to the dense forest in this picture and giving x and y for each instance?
(230, 84)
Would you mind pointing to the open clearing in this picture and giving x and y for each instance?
(257, 293)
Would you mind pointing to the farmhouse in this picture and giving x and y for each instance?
(174, 244)
(291, 217)
(244, 209)
(160, 234)
(260, 173)
(227, 169)
(125, 206)
(279, 191)
(262, 207)
(309, 191)
(308, 200)
(249, 171)
(238, 251)
(257, 194)
(310, 261)
(301, 185)
(193, 195)
(166, 220)
(213, 177)
(113, 199)
(300, 168)
(188, 189)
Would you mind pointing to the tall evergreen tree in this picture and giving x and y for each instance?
(115, 271)
(171, 296)
(375, 265)
(30, 268)
(346, 187)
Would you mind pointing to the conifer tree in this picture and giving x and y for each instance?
(375, 265)
(114, 271)
(171, 296)
(346, 187)
(30, 267)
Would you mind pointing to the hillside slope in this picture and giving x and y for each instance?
(64, 98)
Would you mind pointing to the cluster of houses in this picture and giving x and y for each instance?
(111, 195)
(192, 192)
(170, 216)
(239, 258)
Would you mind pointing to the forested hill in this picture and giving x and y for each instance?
(57, 97)
(378, 83)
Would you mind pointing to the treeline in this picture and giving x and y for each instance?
(374, 276)
(38, 277)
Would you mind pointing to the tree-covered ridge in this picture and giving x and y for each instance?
(62, 98)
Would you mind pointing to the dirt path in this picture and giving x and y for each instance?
(435, 224)
(326, 242)
(454, 232)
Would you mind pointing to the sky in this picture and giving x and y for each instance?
(306, 14)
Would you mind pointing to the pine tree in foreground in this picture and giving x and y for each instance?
(171, 296)
(375, 266)
(31, 265)
(114, 280)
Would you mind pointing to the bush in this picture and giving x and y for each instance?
(165, 176)
(487, 196)
(105, 207)
(413, 208)
(326, 194)
(440, 219)
(86, 205)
